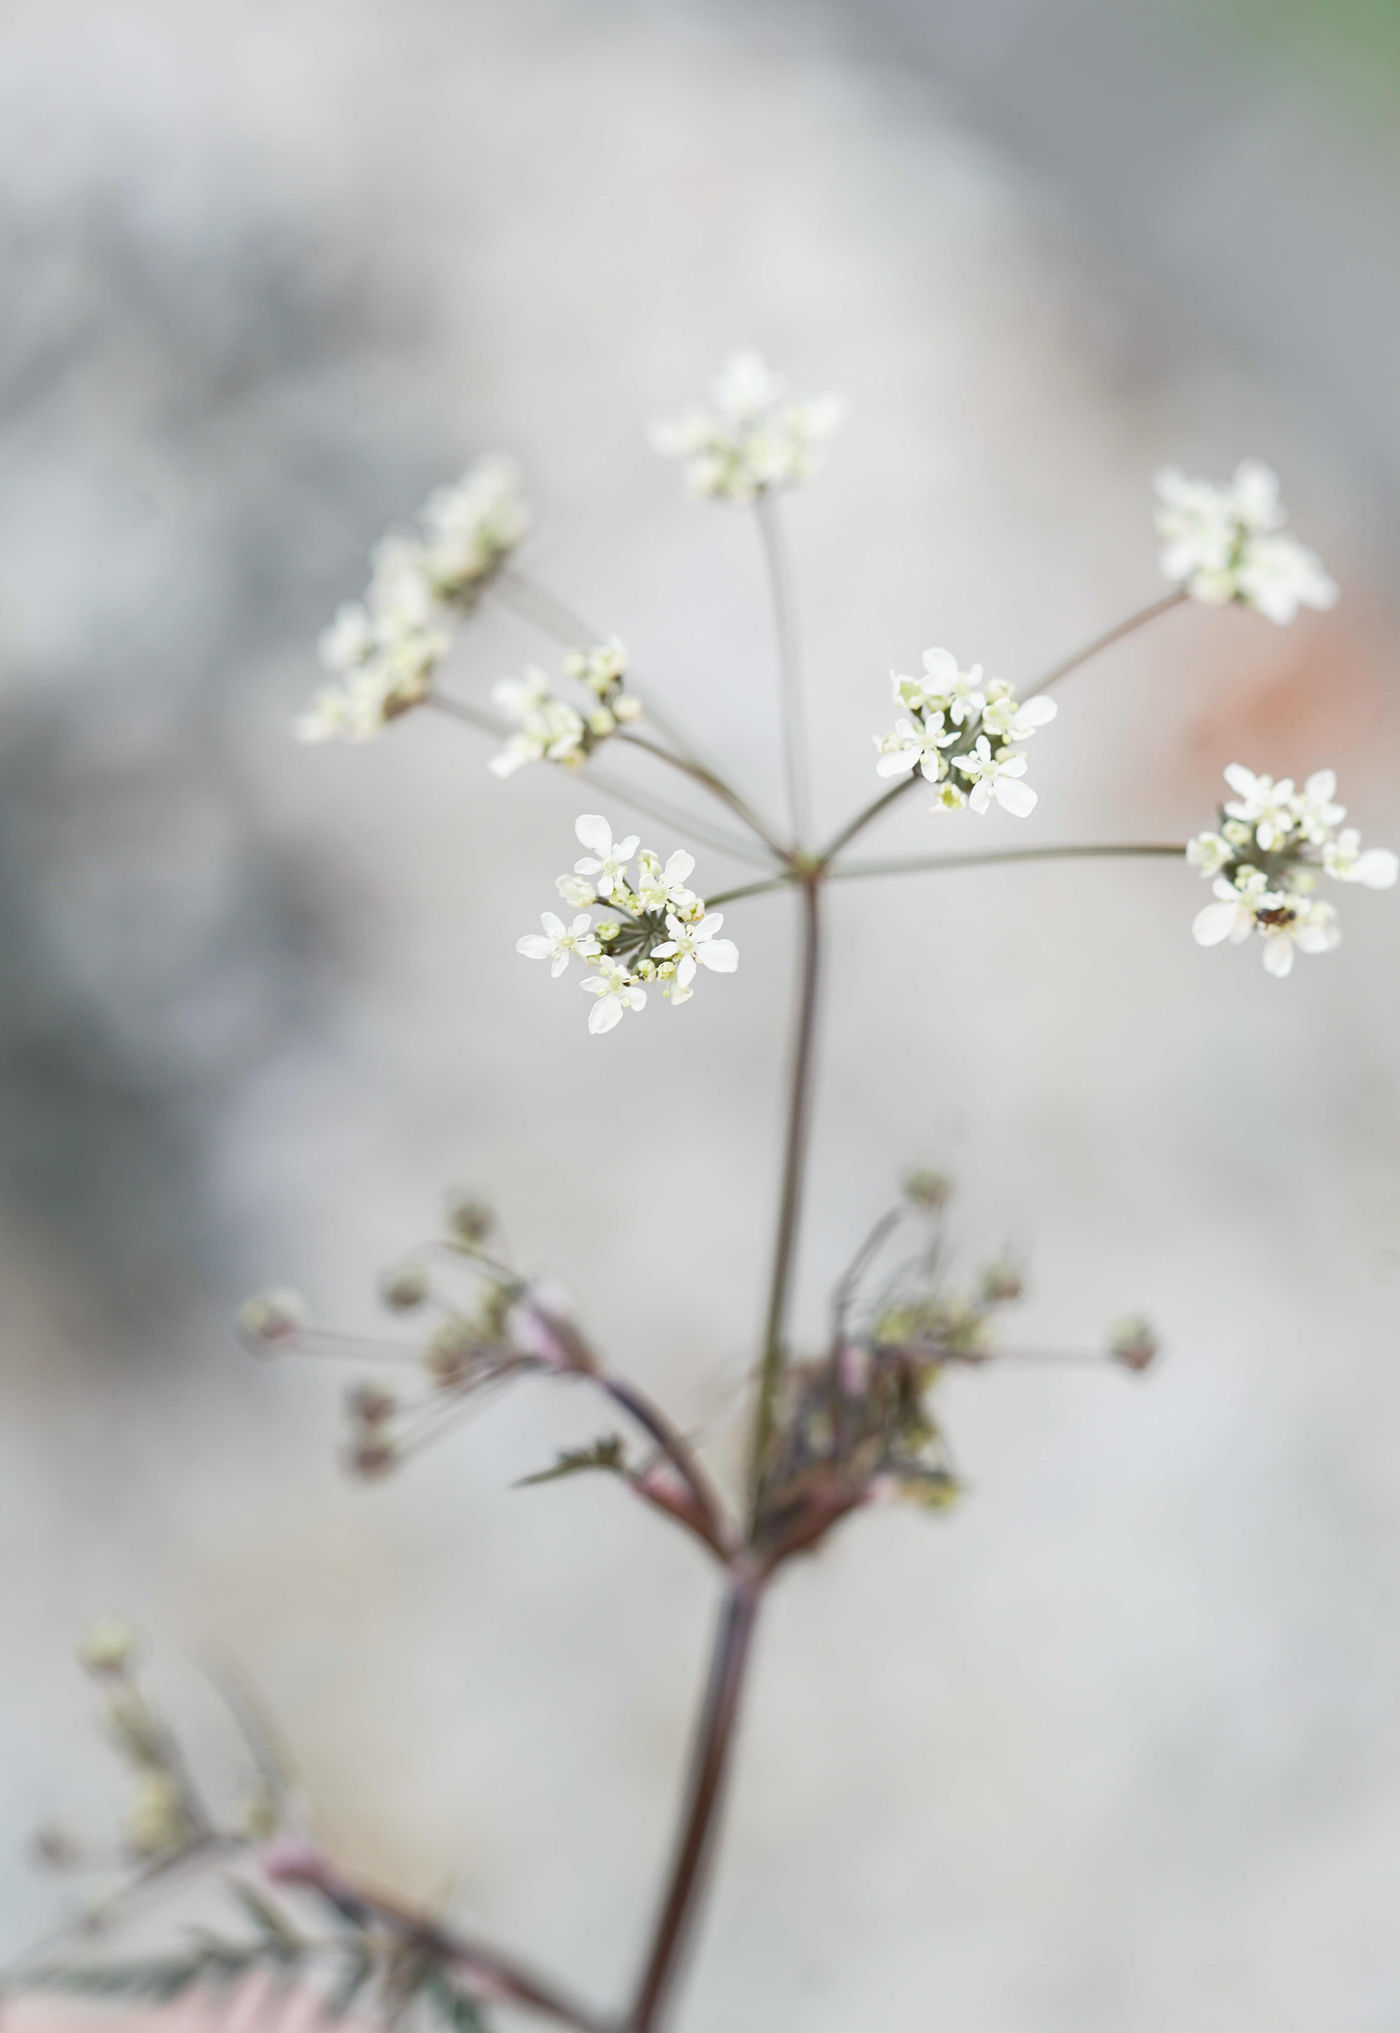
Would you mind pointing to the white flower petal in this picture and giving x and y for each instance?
(1016, 798)
(1214, 923)
(592, 830)
(722, 955)
(1278, 954)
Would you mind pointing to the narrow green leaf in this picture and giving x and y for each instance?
(607, 1454)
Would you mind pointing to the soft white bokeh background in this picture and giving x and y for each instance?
(1116, 1745)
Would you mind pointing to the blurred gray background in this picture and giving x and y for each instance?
(1114, 1748)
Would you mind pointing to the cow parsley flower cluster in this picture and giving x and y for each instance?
(957, 724)
(1229, 543)
(760, 437)
(553, 730)
(653, 930)
(1264, 861)
(382, 651)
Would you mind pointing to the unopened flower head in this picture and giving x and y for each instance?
(108, 1646)
(382, 651)
(551, 729)
(1264, 857)
(1229, 543)
(957, 731)
(757, 436)
(653, 931)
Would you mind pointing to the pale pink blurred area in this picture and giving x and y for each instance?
(253, 2009)
(1115, 1746)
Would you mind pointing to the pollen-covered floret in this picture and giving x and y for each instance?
(1264, 859)
(653, 930)
(757, 436)
(382, 651)
(1229, 543)
(957, 731)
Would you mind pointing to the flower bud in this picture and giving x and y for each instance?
(373, 1457)
(469, 1220)
(405, 1287)
(54, 1849)
(271, 1317)
(1001, 1283)
(370, 1406)
(160, 1818)
(448, 1355)
(1132, 1342)
(928, 1189)
(108, 1647)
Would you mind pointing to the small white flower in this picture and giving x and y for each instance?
(1261, 803)
(349, 640)
(1005, 719)
(761, 436)
(948, 798)
(1375, 868)
(559, 942)
(695, 945)
(574, 890)
(1232, 917)
(1208, 853)
(607, 861)
(915, 744)
(550, 729)
(1315, 812)
(661, 889)
(473, 525)
(944, 687)
(616, 991)
(996, 776)
(601, 668)
(1228, 543)
(1278, 575)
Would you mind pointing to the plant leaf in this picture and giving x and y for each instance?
(607, 1454)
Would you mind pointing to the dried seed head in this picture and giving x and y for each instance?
(405, 1287)
(1132, 1342)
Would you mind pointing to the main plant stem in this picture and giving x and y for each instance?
(790, 1193)
(714, 1744)
(729, 1660)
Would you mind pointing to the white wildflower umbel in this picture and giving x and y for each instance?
(757, 436)
(1228, 544)
(958, 734)
(553, 730)
(382, 651)
(1264, 860)
(651, 931)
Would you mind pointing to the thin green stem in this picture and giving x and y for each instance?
(1176, 598)
(922, 864)
(790, 1193)
(796, 770)
(709, 780)
(615, 786)
(879, 805)
(866, 817)
(535, 603)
